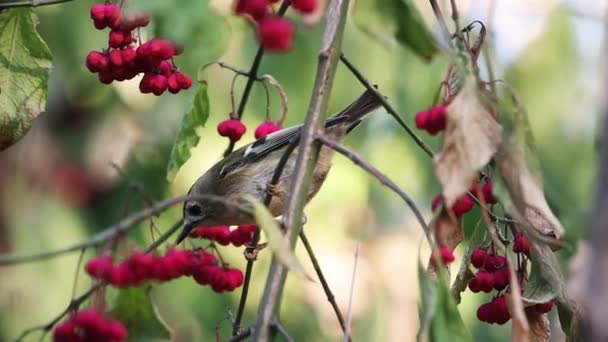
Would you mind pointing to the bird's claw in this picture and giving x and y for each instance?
(273, 189)
(251, 252)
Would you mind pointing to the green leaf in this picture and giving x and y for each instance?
(439, 316)
(276, 239)
(187, 137)
(396, 20)
(193, 24)
(134, 308)
(25, 65)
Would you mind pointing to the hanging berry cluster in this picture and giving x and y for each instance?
(89, 325)
(494, 275)
(242, 235)
(433, 120)
(465, 203)
(140, 267)
(275, 33)
(122, 60)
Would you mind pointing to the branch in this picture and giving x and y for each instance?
(445, 32)
(112, 231)
(350, 297)
(253, 76)
(386, 105)
(30, 3)
(355, 158)
(330, 296)
(308, 152)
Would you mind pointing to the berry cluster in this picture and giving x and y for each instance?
(140, 267)
(89, 325)
(494, 274)
(275, 33)
(123, 61)
(465, 203)
(433, 120)
(243, 234)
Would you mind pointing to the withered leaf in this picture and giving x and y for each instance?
(471, 139)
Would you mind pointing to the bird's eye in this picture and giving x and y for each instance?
(194, 210)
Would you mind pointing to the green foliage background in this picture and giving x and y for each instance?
(40, 210)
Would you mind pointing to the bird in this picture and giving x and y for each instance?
(247, 171)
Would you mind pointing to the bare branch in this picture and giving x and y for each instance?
(112, 231)
(308, 152)
(349, 312)
(330, 296)
(30, 3)
(355, 158)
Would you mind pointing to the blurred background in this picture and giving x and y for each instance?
(57, 185)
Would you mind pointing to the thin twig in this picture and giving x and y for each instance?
(355, 71)
(112, 231)
(355, 158)
(30, 3)
(308, 152)
(445, 32)
(330, 296)
(278, 327)
(349, 312)
(253, 76)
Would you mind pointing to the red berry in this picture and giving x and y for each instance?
(478, 257)
(234, 277)
(257, 9)
(483, 312)
(184, 81)
(231, 128)
(249, 228)
(131, 21)
(544, 307)
(305, 6)
(422, 119)
(158, 84)
(65, 332)
(99, 267)
(112, 15)
(265, 128)
(501, 278)
(172, 84)
(463, 205)
(500, 310)
(436, 202)
(145, 85)
(221, 234)
(128, 56)
(121, 276)
(276, 34)
(485, 281)
(474, 285)
(446, 254)
(520, 244)
(119, 38)
(141, 265)
(98, 13)
(89, 320)
(116, 330)
(165, 69)
(160, 48)
(116, 58)
(495, 262)
(437, 120)
(488, 194)
(240, 237)
(105, 76)
(97, 61)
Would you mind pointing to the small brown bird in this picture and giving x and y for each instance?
(248, 171)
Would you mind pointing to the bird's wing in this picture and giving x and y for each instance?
(267, 144)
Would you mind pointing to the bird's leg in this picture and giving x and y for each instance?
(274, 189)
(251, 252)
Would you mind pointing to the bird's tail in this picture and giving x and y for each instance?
(356, 111)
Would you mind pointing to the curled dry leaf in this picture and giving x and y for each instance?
(518, 166)
(471, 139)
(540, 329)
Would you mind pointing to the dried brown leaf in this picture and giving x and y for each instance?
(471, 139)
(540, 329)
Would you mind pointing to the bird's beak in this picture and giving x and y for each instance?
(184, 234)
